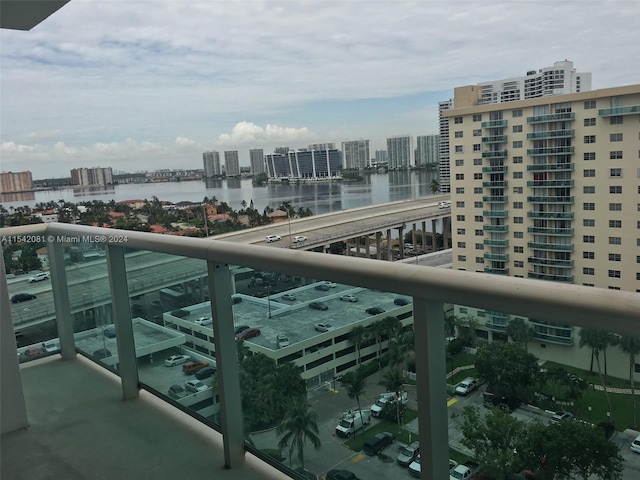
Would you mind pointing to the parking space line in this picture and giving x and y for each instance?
(357, 458)
(451, 402)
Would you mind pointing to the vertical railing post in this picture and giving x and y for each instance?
(128, 363)
(220, 291)
(433, 425)
(62, 305)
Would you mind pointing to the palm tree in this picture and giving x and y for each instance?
(520, 332)
(393, 380)
(631, 346)
(435, 186)
(598, 341)
(300, 425)
(355, 383)
(377, 330)
(358, 336)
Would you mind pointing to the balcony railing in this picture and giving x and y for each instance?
(495, 213)
(494, 124)
(495, 228)
(551, 167)
(120, 273)
(495, 243)
(495, 169)
(550, 231)
(550, 151)
(502, 257)
(496, 271)
(561, 247)
(550, 262)
(551, 134)
(552, 118)
(496, 199)
(550, 215)
(538, 199)
(612, 112)
(495, 184)
(550, 183)
(494, 139)
(568, 278)
(495, 154)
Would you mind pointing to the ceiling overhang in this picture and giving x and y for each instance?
(26, 14)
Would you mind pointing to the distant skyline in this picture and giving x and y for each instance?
(143, 85)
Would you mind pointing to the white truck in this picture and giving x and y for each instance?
(387, 398)
(464, 471)
(351, 422)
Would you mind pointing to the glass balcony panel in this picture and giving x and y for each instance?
(551, 167)
(550, 246)
(495, 213)
(503, 257)
(495, 139)
(497, 271)
(551, 215)
(496, 199)
(550, 199)
(494, 124)
(609, 112)
(496, 169)
(552, 118)
(495, 228)
(552, 277)
(551, 134)
(550, 231)
(496, 243)
(495, 154)
(550, 262)
(495, 184)
(550, 151)
(550, 183)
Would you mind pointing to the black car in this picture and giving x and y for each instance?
(322, 287)
(375, 445)
(205, 372)
(341, 475)
(374, 310)
(318, 306)
(22, 297)
(180, 313)
(401, 301)
(240, 329)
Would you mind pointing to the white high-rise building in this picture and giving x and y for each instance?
(256, 158)
(559, 79)
(211, 162)
(231, 163)
(380, 156)
(427, 149)
(92, 176)
(399, 150)
(356, 154)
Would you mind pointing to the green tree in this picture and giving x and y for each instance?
(520, 332)
(434, 186)
(507, 368)
(393, 381)
(598, 341)
(299, 427)
(358, 336)
(553, 452)
(355, 383)
(631, 346)
(494, 439)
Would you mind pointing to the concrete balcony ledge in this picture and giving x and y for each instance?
(81, 428)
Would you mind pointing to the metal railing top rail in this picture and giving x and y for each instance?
(613, 310)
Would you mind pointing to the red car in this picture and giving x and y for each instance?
(248, 333)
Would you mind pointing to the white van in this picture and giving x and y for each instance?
(351, 422)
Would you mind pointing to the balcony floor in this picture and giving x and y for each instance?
(80, 428)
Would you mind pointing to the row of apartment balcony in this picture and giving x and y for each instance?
(495, 213)
(550, 231)
(497, 270)
(550, 246)
(495, 169)
(495, 139)
(495, 243)
(495, 184)
(550, 151)
(610, 112)
(550, 183)
(568, 133)
(496, 199)
(567, 278)
(550, 199)
(495, 228)
(551, 167)
(554, 117)
(550, 215)
(494, 124)
(550, 262)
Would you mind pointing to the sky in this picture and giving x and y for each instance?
(143, 85)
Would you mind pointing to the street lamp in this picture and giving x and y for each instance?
(289, 219)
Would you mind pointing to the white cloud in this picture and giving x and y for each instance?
(247, 133)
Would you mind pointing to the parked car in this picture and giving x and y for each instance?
(341, 475)
(204, 321)
(176, 360)
(444, 204)
(22, 297)
(318, 306)
(467, 386)
(503, 403)
(109, 331)
(38, 277)
(272, 238)
(192, 367)
(561, 416)
(349, 298)
(635, 445)
(195, 386)
(33, 352)
(180, 313)
(236, 299)
(376, 444)
(299, 239)
(322, 287)
(323, 327)
(177, 391)
(330, 284)
(248, 333)
(50, 346)
(414, 467)
(205, 372)
(408, 454)
(240, 328)
(283, 340)
(374, 310)
(289, 296)
(401, 301)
